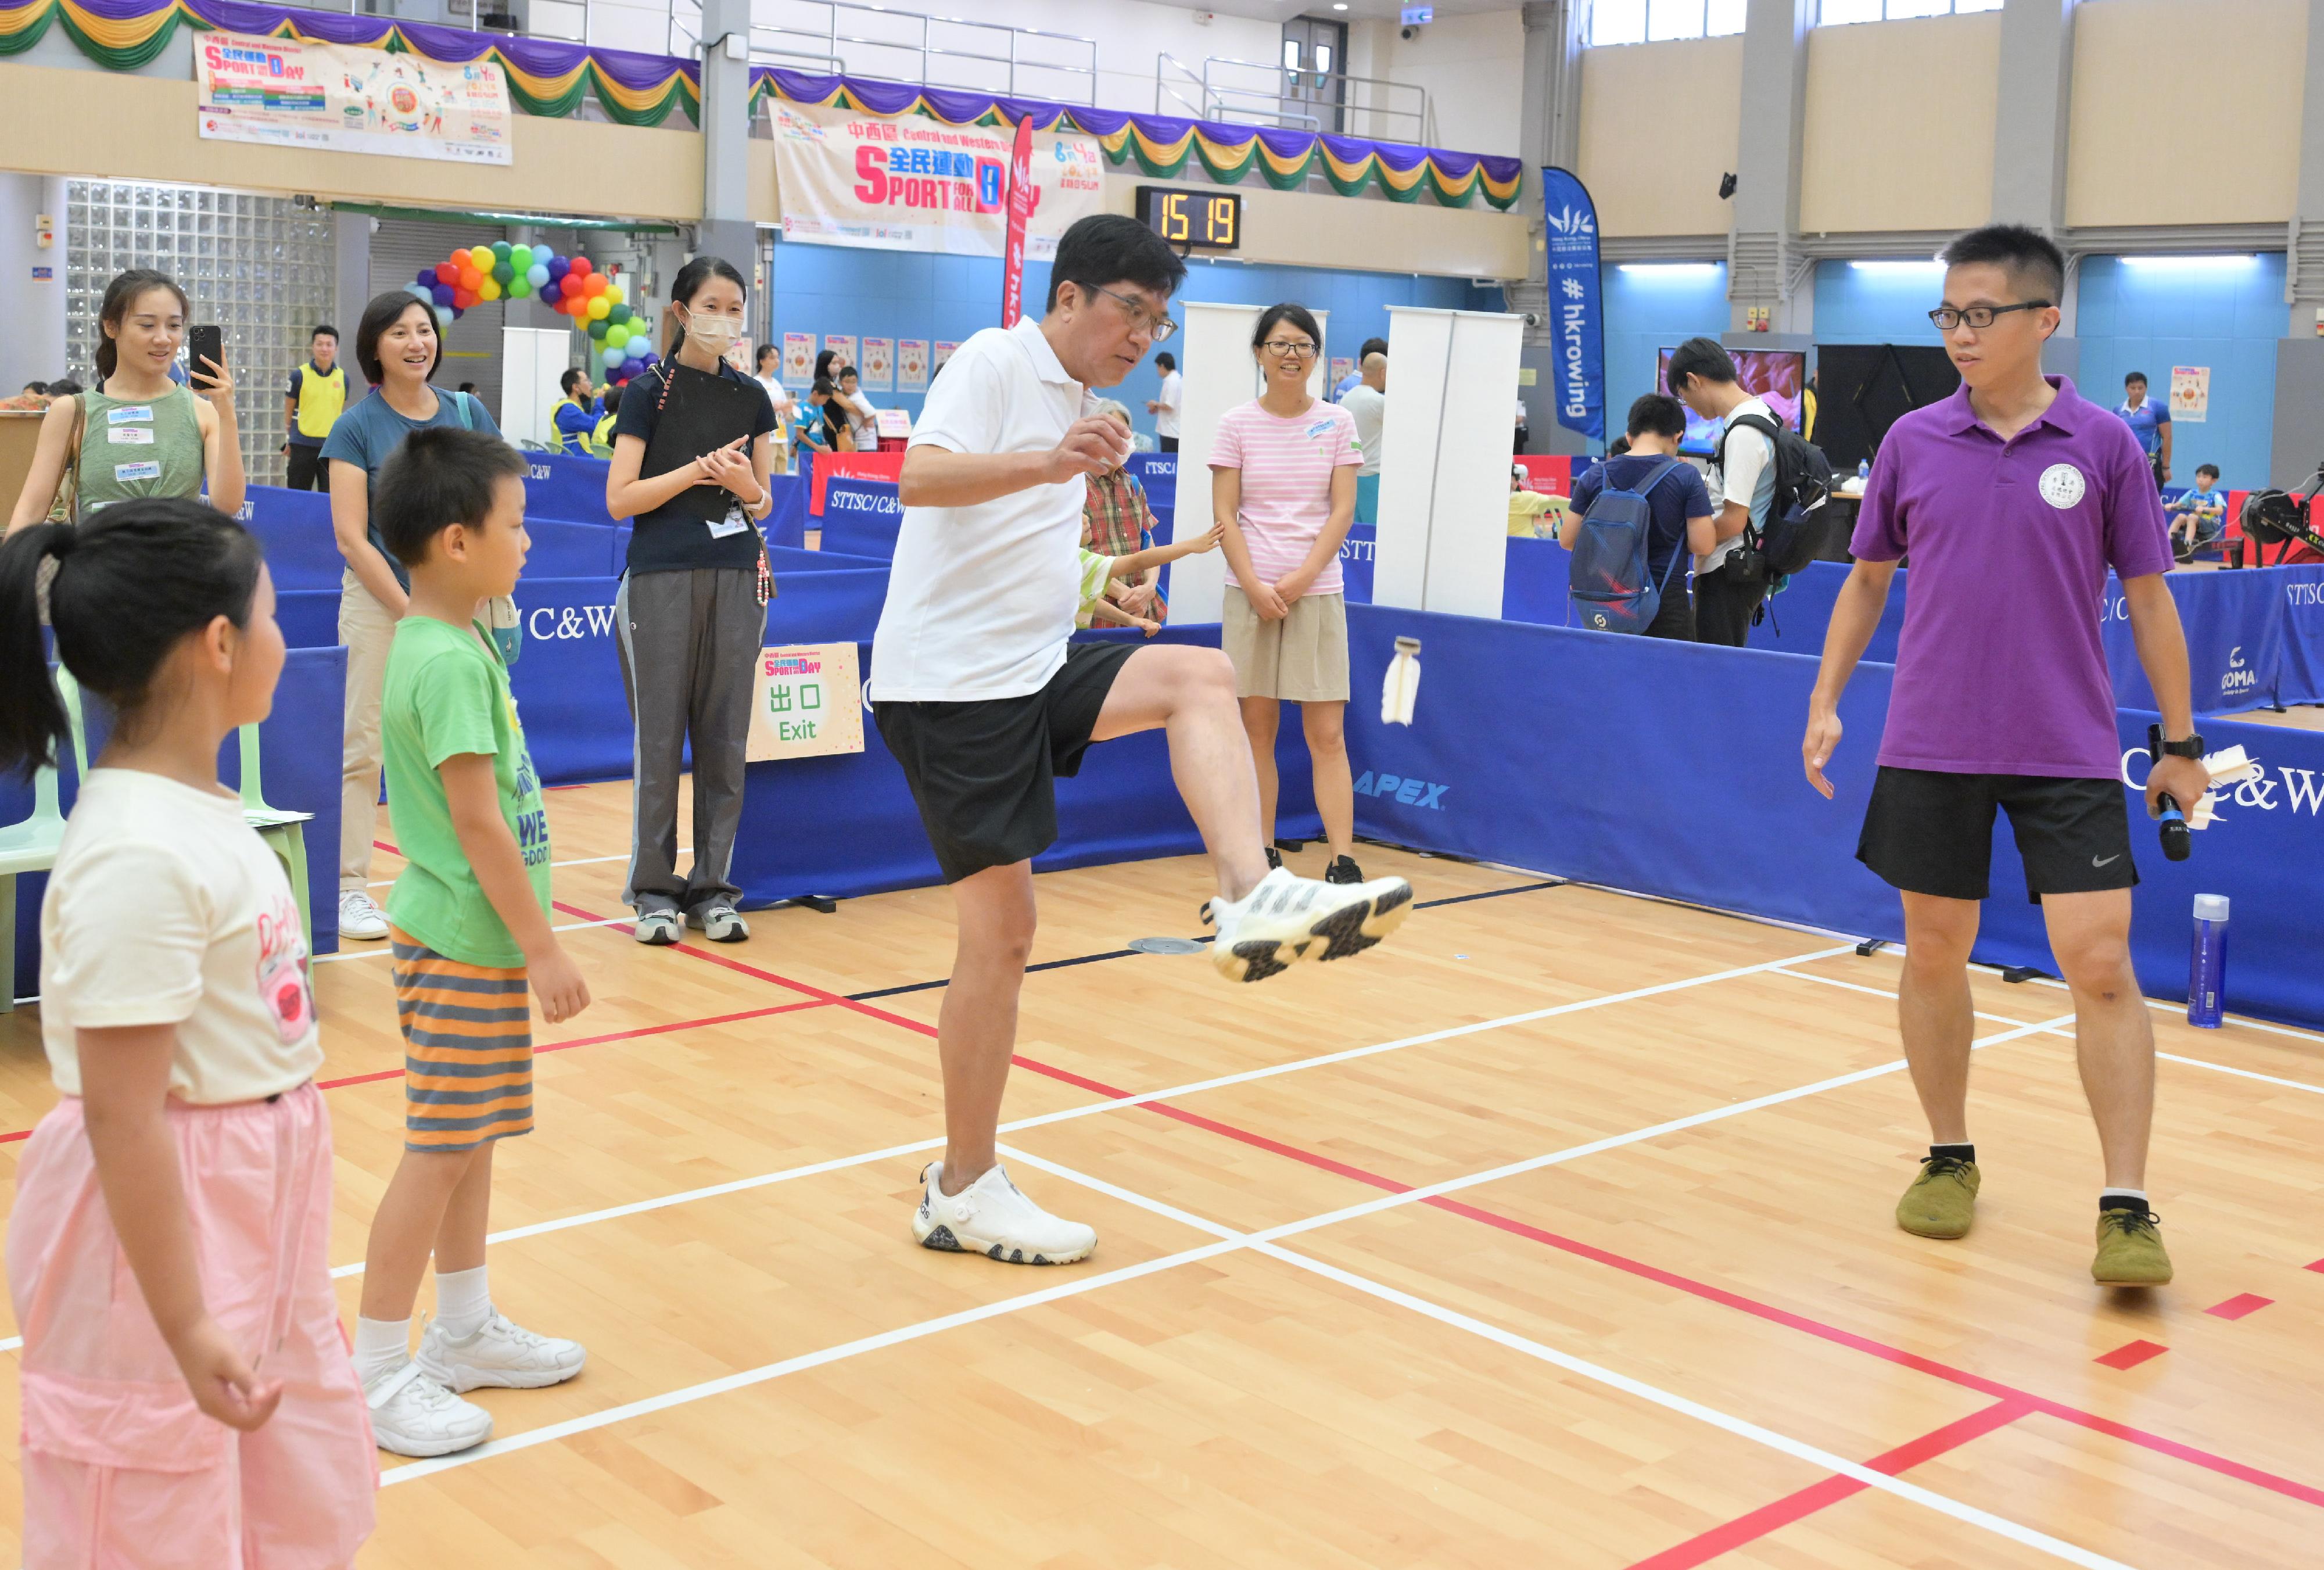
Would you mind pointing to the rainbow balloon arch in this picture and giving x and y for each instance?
(571, 286)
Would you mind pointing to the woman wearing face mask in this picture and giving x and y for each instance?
(692, 615)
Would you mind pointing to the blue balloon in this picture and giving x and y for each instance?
(614, 353)
(536, 275)
(542, 255)
(428, 276)
(421, 292)
(558, 267)
(443, 294)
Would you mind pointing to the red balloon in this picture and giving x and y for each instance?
(581, 265)
(446, 273)
(463, 298)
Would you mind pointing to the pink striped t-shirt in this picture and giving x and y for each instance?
(1286, 483)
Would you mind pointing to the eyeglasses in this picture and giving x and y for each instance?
(1289, 348)
(1979, 317)
(1143, 317)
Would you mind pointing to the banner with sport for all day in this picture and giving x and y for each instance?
(339, 99)
(912, 184)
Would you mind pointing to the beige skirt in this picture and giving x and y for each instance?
(1301, 658)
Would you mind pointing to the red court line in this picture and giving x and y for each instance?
(2236, 1306)
(2130, 1354)
(1729, 1536)
(2000, 1391)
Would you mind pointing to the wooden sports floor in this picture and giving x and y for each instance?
(1556, 1233)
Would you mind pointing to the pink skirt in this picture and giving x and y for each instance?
(121, 1468)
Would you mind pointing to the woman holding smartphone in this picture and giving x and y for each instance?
(137, 432)
(691, 614)
(398, 344)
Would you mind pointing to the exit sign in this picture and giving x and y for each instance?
(1416, 15)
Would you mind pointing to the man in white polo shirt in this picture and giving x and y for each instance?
(983, 703)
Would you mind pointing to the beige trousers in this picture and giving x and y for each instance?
(367, 628)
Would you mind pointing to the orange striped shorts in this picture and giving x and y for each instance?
(468, 1049)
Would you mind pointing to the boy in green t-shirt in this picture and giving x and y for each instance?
(469, 921)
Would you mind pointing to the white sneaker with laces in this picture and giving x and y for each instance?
(503, 1353)
(413, 1415)
(992, 1218)
(1288, 918)
(359, 917)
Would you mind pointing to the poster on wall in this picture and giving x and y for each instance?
(1340, 366)
(912, 184)
(843, 350)
(879, 366)
(2190, 394)
(946, 348)
(338, 98)
(808, 703)
(911, 364)
(798, 359)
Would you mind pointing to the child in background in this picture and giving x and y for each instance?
(2199, 516)
(1099, 573)
(208, 1416)
(469, 922)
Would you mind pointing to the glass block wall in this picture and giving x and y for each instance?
(260, 267)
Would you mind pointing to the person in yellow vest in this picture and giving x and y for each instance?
(603, 435)
(318, 392)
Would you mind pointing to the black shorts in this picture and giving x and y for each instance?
(1931, 833)
(983, 773)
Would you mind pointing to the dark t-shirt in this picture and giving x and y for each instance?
(668, 539)
(1679, 497)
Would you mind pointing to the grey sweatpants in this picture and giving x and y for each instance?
(690, 646)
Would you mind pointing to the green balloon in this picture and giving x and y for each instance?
(519, 257)
(518, 287)
(500, 249)
(616, 335)
(597, 331)
(618, 315)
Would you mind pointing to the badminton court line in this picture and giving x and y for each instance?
(1865, 1476)
(2061, 1030)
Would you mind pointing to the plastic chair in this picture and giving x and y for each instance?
(283, 832)
(597, 449)
(32, 846)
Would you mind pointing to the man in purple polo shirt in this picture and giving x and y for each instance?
(2014, 497)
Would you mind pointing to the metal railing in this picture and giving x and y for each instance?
(1257, 93)
(903, 46)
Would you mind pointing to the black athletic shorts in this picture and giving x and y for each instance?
(983, 773)
(1930, 833)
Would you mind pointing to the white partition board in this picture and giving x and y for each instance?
(533, 361)
(1445, 461)
(1220, 373)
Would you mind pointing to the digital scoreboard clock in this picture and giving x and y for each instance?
(1210, 219)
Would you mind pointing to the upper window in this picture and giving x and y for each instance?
(1837, 12)
(1652, 21)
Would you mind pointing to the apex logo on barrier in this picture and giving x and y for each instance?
(1411, 792)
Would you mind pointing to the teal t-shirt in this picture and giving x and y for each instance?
(447, 693)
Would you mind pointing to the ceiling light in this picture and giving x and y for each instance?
(2191, 262)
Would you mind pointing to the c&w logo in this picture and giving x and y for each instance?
(546, 622)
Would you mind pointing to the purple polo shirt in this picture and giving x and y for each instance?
(1999, 670)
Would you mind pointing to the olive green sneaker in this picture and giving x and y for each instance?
(2130, 1250)
(1942, 1200)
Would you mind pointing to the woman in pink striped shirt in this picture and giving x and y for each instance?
(1282, 487)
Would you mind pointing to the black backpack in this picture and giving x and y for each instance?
(1793, 531)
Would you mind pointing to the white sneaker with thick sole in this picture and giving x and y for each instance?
(992, 1218)
(414, 1415)
(1288, 918)
(360, 917)
(660, 927)
(504, 1355)
(719, 923)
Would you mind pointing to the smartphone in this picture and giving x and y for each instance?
(204, 342)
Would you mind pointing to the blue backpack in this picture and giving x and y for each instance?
(1609, 585)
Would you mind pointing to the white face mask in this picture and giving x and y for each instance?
(716, 333)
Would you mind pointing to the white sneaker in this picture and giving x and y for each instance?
(992, 1218)
(413, 1415)
(359, 917)
(658, 927)
(1288, 918)
(502, 1354)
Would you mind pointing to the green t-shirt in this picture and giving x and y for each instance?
(447, 693)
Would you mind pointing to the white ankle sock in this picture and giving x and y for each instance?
(463, 1302)
(381, 1346)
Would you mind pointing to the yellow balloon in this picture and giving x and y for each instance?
(481, 255)
(490, 288)
(614, 293)
(599, 307)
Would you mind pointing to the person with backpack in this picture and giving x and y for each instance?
(1640, 515)
(1742, 482)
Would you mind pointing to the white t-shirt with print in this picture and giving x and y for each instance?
(1173, 398)
(1750, 472)
(165, 908)
(980, 599)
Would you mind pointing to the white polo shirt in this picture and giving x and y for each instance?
(981, 600)
(1172, 395)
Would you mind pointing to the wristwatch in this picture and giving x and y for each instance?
(2158, 749)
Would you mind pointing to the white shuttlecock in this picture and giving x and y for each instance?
(2204, 812)
(1401, 689)
(2231, 765)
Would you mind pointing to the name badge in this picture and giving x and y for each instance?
(130, 436)
(129, 411)
(148, 470)
(732, 523)
(1321, 427)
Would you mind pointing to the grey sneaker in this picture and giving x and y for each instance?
(719, 922)
(656, 927)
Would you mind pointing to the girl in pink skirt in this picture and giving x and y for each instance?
(188, 1402)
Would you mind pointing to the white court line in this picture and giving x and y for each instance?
(1597, 1374)
(889, 1338)
(388, 948)
(2005, 1020)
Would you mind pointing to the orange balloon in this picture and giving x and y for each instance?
(469, 278)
